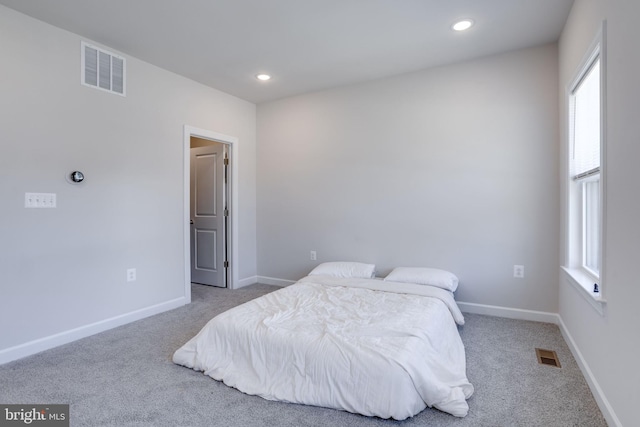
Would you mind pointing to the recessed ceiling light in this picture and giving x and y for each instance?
(463, 24)
(263, 77)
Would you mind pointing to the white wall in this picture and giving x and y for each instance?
(64, 268)
(453, 167)
(609, 344)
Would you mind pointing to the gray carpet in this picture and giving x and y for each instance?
(125, 377)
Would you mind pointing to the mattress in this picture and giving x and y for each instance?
(365, 346)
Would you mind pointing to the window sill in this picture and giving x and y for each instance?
(583, 284)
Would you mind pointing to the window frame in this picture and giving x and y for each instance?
(575, 266)
(585, 225)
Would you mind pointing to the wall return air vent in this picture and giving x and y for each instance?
(102, 69)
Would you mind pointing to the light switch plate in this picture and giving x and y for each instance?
(40, 200)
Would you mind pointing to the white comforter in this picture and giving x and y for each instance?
(343, 344)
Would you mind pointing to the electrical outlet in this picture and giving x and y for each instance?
(131, 275)
(518, 271)
(313, 256)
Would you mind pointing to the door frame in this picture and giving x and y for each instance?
(232, 229)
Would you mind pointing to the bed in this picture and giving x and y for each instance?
(368, 346)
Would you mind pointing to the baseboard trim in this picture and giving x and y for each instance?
(46, 343)
(541, 316)
(274, 281)
(598, 394)
(509, 313)
(246, 282)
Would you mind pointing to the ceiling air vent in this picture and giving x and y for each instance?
(102, 69)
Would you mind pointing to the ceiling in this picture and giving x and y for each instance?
(306, 45)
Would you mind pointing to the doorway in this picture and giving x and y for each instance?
(209, 212)
(229, 144)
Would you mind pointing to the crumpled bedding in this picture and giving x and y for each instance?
(365, 346)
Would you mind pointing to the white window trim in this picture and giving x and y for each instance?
(578, 276)
(584, 227)
(581, 280)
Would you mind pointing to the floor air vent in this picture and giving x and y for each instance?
(547, 357)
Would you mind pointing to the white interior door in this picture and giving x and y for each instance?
(208, 211)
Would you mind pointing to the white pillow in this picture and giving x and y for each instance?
(424, 276)
(345, 269)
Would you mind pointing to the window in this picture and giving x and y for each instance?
(585, 162)
(585, 187)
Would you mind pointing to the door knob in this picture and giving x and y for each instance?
(191, 222)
